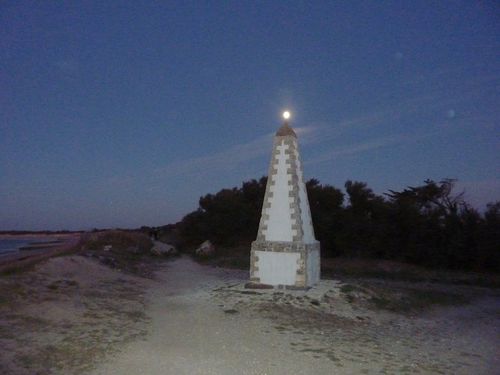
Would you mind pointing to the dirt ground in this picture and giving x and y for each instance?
(72, 315)
(66, 314)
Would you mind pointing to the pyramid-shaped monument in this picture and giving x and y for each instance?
(285, 253)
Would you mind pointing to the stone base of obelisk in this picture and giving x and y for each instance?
(285, 264)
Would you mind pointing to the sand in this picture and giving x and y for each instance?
(66, 314)
(191, 333)
(194, 319)
(203, 321)
(36, 253)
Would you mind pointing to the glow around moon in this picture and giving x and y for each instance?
(286, 115)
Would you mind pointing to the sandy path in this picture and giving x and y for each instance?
(204, 322)
(73, 315)
(191, 333)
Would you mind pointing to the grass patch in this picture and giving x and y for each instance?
(349, 288)
(399, 299)
(413, 300)
(17, 269)
(347, 268)
(126, 251)
(119, 241)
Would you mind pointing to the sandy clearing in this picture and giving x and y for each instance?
(191, 334)
(318, 332)
(73, 315)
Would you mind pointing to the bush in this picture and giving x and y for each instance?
(134, 242)
(427, 225)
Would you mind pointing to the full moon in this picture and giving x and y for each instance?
(286, 115)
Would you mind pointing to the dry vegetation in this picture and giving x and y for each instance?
(61, 314)
(348, 268)
(66, 314)
(131, 242)
(238, 257)
(127, 251)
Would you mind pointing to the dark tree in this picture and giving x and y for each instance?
(435, 226)
(488, 253)
(367, 229)
(429, 224)
(229, 217)
(326, 203)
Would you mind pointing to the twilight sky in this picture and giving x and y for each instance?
(122, 114)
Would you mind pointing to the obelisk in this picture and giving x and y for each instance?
(285, 253)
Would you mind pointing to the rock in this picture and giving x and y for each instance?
(205, 249)
(163, 249)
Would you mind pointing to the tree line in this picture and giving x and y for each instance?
(428, 225)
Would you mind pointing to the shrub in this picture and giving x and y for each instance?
(135, 242)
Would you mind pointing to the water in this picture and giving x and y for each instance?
(12, 245)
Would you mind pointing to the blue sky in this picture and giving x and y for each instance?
(122, 114)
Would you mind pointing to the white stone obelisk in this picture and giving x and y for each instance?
(285, 253)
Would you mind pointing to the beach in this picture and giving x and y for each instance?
(73, 315)
(20, 250)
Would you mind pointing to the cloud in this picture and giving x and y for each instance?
(230, 158)
(361, 147)
(315, 133)
(227, 159)
(237, 155)
(419, 105)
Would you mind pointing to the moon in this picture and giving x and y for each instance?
(286, 115)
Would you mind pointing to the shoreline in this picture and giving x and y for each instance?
(35, 235)
(41, 245)
(12, 261)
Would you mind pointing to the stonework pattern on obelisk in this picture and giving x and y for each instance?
(285, 229)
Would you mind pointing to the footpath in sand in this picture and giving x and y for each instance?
(75, 315)
(203, 321)
(194, 331)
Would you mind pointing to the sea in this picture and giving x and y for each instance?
(11, 245)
